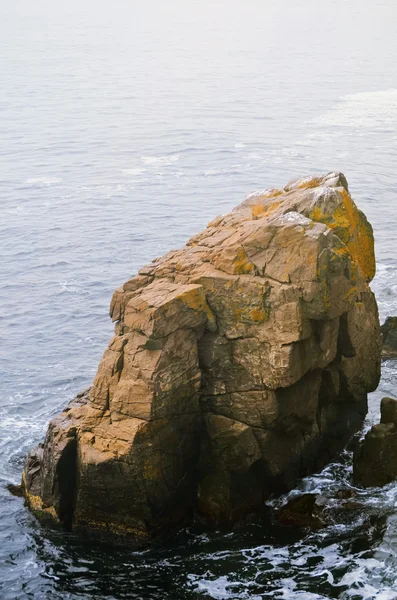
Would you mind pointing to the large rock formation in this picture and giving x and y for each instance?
(239, 364)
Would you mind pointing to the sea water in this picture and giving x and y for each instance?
(125, 127)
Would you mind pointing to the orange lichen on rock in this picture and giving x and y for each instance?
(241, 264)
(310, 182)
(260, 210)
(352, 228)
(257, 210)
(361, 244)
(259, 315)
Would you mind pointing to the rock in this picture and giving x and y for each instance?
(314, 511)
(15, 490)
(239, 364)
(352, 505)
(375, 458)
(345, 494)
(388, 411)
(306, 510)
(389, 336)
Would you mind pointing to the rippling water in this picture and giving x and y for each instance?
(124, 128)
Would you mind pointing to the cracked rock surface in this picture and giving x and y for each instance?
(238, 364)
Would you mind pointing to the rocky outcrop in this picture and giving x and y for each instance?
(238, 364)
(375, 458)
(389, 337)
(305, 510)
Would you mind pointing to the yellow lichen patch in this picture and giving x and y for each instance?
(367, 258)
(352, 292)
(317, 215)
(271, 207)
(260, 210)
(342, 251)
(241, 264)
(351, 210)
(353, 230)
(272, 193)
(340, 257)
(247, 314)
(258, 314)
(362, 244)
(257, 210)
(196, 300)
(351, 227)
(310, 182)
(35, 504)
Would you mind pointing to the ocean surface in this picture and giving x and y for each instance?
(125, 127)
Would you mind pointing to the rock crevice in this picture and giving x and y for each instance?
(238, 364)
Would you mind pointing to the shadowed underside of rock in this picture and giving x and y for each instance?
(238, 364)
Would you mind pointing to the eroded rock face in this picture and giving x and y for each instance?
(239, 363)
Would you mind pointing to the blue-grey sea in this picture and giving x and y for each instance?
(125, 127)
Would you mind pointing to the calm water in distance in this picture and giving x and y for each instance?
(125, 127)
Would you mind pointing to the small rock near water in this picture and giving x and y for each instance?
(15, 490)
(307, 510)
(375, 458)
(389, 337)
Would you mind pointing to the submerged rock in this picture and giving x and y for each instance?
(375, 458)
(306, 510)
(15, 490)
(239, 364)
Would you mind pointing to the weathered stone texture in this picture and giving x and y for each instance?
(239, 363)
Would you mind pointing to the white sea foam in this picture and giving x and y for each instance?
(43, 180)
(231, 170)
(133, 172)
(368, 110)
(220, 588)
(160, 160)
(66, 286)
